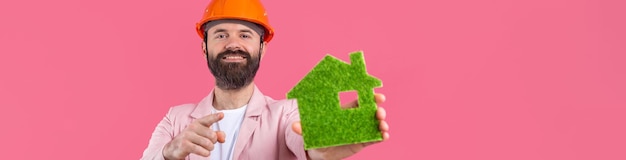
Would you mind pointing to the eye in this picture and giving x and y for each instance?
(220, 36)
(246, 36)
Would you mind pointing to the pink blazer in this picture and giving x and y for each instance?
(265, 131)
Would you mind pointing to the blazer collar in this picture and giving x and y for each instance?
(255, 105)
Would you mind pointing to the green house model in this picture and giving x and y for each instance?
(324, 122)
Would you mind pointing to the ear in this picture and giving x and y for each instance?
(263, 46)
(204, 49)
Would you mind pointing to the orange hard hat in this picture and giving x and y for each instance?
(246, 10)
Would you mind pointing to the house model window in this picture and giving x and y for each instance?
(324, 123)
(347, 97)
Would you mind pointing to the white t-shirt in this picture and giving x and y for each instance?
(230, 125)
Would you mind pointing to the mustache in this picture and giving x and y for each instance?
(244, 54)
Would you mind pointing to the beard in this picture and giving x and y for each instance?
(232, 75)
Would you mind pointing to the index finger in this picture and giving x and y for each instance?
(210, 119)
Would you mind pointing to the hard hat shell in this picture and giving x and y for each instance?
(246, 10)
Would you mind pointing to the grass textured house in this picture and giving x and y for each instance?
(324, 122)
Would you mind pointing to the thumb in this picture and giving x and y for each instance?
(297, 127)
(221, 136)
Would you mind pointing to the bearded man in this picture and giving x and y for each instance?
(236, 121)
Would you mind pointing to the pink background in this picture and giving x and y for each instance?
(481, 79)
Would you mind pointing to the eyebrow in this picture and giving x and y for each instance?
(219, 30)
(246, 31)
(224, 30)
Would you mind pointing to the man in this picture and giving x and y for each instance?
(236, 121)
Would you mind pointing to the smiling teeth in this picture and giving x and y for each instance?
(234, 57)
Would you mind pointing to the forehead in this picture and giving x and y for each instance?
(229, 26)
(232, 25)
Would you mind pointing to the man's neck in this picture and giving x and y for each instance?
(232, 99)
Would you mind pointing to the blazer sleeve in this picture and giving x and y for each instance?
(162, 135)
(295, 143)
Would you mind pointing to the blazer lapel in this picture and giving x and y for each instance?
(251, 121)
(203, 108)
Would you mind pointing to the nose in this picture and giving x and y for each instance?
(233, 44)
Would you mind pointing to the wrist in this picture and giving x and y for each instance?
(313, 155)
